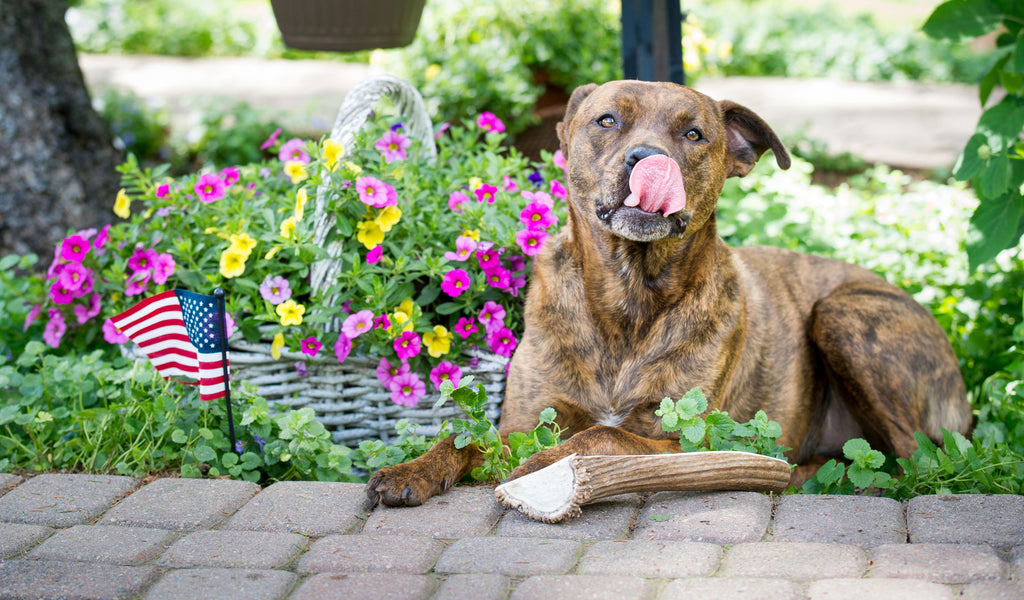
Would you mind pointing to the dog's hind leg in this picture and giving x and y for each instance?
(891, 363)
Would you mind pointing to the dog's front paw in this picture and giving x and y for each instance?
(403, 485)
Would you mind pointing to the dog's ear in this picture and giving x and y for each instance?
(577, 98)
(749, 137)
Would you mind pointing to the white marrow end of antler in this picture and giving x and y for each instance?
(548, 495)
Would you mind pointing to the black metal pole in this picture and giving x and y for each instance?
(652, 40)
(222, 316)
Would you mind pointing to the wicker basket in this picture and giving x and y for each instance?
(347, 25)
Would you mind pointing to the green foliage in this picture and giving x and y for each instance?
(993, 159)
(232, 135)
(16, 295)
(834, 477)
(138, 128)
(717, 431)
(477, 429)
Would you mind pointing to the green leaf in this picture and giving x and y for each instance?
(178, 436)
(989, 81)
(994, 180)
(860, 477)
(204, 454)
(993, 226)
(959, 19)
(548, 415)
(229, 459)
(447, 308)
(694, 432)
(971, 159)
(1002, 124)
(1017, 64)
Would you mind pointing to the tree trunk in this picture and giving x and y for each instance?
(57, 160)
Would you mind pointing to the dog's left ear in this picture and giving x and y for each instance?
(749, 138)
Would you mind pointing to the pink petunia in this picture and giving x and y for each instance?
(376, 193)
(465, 327)
(488, 255)
(445, 371)
(84, 313)
(342, 347)
(310, 346)
(142, 259)
(293, 150)
(382, 322)
(101, 239)
(455, 200)
(517, 283)
(112, 334)
(498, 277)
(485, 193)
(508, 185)
(275, 289)
(558, 190)
(502, 341)
(537, 216)
(271, 140)
(440, 130)
(358, 324)
(539, 197)
(55, 328)
(163, 190)
(393, 146)
(464, 247)
(230, 175)
(74, 248)
(374, 255)
(210, 188)
(492, 316)
(163, 268)
(516, 263)
(137, 283)
(455, 282)
(531, 241)
(60, 294)
(32, 315)
(386, 372)
(407, 389)
(74, 276)
(559, 161)
(407, 345)
(489, 122)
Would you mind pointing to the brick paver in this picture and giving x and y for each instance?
(483, 586)
(113, 545)
(720, 588)
(718, 518)
(941, 563)
(312, 508)
(60, 500)
(648, 558)
(992, 590)
(509, 556)
(606, 519)
(235, 549)
(860, 521)
(222, 584)
(45, 580)
(8, 481)
(793, 560)
(459, 513)
(15, 538)
(371, 553)
(877, 589)
(591, 587)
(181, 504)
(997, 520)
(365, 586)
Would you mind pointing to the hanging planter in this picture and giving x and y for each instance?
(347, 25)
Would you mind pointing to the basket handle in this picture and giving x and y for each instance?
(353, 114)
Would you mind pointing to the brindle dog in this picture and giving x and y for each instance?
(627, 307)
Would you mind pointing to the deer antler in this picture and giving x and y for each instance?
(557, 491)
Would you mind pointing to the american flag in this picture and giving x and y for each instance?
(180, 333)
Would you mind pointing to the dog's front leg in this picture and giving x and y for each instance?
(411, 483)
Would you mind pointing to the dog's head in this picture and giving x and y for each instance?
(610, 132)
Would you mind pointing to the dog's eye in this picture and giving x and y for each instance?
(694, 135)
(606, 121)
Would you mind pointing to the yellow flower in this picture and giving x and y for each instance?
(232, 263)
(388, 218)
(473, 234)
(210, 230)
(296, 170)
(353, 167)
(276, 345)
(290, 312)
(408, 307)
(123, 204)
(432, 71)
(438, 341)
(332, 152)
(273, 252)
(288, 228)
(475, 182)
(243, 243)
(402, 319)
(370, 234)
(300, 203)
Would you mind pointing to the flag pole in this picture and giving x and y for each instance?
(219, 293)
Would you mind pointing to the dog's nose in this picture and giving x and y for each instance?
(638, 153)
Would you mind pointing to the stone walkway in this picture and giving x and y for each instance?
(89, 536)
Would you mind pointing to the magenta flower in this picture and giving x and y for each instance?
(492, 316)
(137, 283)
(32, 315)
(537, 216)
(374, 255)
(275, 289)
(55, 328)
(101, 239)
(531, 241)
(84, 313)
(407, 389)
(558, 190)
(358, 324)
(343, 347)
(455, 282)
(163, 268)
(74, 248)
(503, 341)
(440, 130)
(60, 294)
(455, 200)
(300, 368)
(293, 150)
(112, 334)
(498, 277)
(488, 255)
(464, 247)
(163, 190)
(516, 263)
(559, 161)
(271, 140)
(407, 345)
(508, 185)
(489, 122)
(518, 282)
(382, 322)
(73, 276)
(230, 175)
(210, 188)
(386, 372)
(485, 193)
(392, 146)
(310, 346)
(445, 371)
(465, 327)
(142, 260)
(539, 197)
(376, 193)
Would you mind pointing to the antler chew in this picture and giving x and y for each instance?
(557, 491)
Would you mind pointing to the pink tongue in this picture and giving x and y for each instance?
(657, 185)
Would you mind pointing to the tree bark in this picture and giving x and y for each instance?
(57, 159)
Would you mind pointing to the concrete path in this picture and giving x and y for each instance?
(89, 536)
(902, 124)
